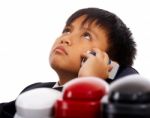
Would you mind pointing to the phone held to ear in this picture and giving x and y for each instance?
(115, 66)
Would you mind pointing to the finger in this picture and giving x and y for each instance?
(90, 54)
(106, 58)
(86, 55)
(98, 52)
(103, 55)
(110, 67)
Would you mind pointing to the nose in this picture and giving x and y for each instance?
(65, 41)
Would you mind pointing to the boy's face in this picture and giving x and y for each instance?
(76, 39)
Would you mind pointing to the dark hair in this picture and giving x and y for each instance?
(121, 45)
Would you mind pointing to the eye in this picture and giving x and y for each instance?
(87, 35)
(66, 31)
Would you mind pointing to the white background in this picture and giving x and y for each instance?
(28, 29)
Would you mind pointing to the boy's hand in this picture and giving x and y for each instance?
(95, 65)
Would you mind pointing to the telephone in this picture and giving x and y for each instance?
(114, 64)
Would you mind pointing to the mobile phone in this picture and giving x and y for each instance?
(115, 66)
(114, 70)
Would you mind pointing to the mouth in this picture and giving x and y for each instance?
(60, 49)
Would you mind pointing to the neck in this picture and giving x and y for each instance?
(64, 77)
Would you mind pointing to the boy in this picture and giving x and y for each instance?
(91, 30)
(87, 30)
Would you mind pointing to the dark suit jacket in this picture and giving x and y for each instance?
(7, 110)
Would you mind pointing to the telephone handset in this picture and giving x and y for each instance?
(115, 66)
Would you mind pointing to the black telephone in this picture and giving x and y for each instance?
(114, 64)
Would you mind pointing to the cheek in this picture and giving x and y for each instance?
(86, 48)
(75, 59)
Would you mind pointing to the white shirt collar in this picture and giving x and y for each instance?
(56, 85)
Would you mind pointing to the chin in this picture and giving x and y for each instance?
(56, 64)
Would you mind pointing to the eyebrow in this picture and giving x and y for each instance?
(82, 26)
(70, 25)
(89, 29)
